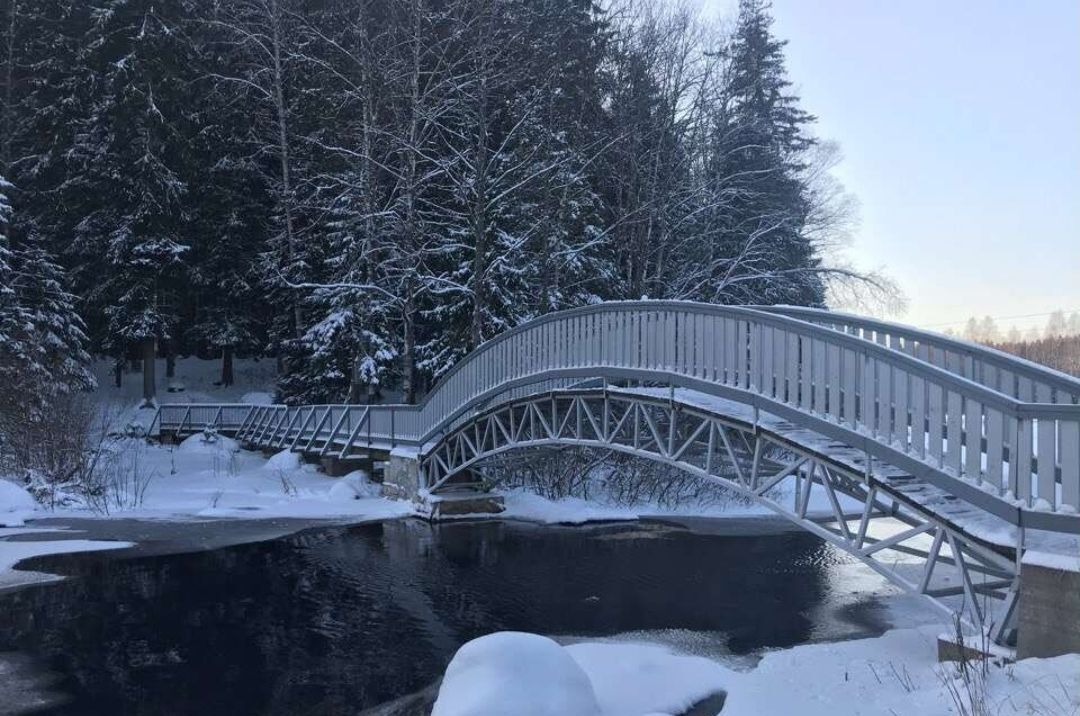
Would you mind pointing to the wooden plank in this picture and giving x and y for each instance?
(768, 354)
(731, 352)
(954, 420)
(900, 408)
(995, 447)
(918, 415)
(1046, 454)
(850, 376)
(708, 339)
(833, 396)
(1021, 465)
(884, 414)
(741, 367)
(973, 438)
(805, 374)
(1025, 389)
(792, 372)
(1070, 463)
(868, 394)
(817, 347)
(1046, 451)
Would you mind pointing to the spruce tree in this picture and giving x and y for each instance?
(760, 140)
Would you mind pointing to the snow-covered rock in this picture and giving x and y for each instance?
(354, 486)
(199, 443)
(284, 461)
(515, 673)
(16, 504)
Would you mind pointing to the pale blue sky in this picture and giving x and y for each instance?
(960, 126)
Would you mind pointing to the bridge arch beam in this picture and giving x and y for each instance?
(774, 465)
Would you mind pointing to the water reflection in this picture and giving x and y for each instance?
(338, 620)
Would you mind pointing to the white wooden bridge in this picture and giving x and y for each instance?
(942, 460)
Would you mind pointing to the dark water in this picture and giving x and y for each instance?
(336, 620)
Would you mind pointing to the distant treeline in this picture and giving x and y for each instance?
(1059, 352)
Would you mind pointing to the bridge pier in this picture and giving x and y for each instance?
(1049, 607)
(402, 481)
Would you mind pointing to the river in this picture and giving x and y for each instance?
(334, 620)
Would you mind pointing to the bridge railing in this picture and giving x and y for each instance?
(1025, 453)
(190, 417)
(1000, 371)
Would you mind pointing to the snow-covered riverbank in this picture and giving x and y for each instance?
(897, 673)
(213, 479)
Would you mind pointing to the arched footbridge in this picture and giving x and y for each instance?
(937, 462)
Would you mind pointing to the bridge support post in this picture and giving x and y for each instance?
(401, 481)
(1048, 623)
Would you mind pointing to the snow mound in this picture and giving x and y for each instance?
(199, 444)
(514, 673)
(257, 397)
(285, 461)
(354, 486)
(631, 678)
(15, 504)
(525, 505)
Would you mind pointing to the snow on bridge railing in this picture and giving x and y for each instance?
(995, 369)
(1025, 454)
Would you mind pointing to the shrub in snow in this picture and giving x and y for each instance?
(514, 673)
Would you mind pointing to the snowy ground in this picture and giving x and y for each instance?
(524, 505)
(195, 480)
(195, 382)
(894, 674)
(200, 478)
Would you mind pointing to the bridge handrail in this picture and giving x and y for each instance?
(1017, 408)
(1044, 381)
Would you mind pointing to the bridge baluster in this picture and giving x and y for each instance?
(1070, 463)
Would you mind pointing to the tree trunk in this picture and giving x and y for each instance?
(227, 365)
(118, 372)
(408, 354)
(170, 360)
(149, 354)
(283, 151)
(9, 69)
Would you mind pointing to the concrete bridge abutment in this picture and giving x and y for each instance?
(1049, 608)
(402, 481)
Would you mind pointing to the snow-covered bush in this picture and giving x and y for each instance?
(604, 476)
(46, 449)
